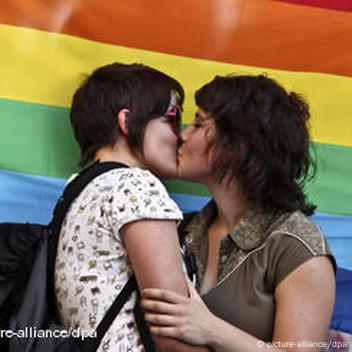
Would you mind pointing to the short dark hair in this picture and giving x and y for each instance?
(141, 89)
(262, 139)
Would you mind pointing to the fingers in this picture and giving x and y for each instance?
(167, 331)
(149, 305)
(163, 295)
(162, 320)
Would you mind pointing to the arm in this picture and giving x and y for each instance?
(305, 299)
(154, 253)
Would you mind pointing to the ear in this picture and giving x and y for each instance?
(122, 120)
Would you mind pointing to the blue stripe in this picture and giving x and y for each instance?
(342, 317)
(32, 198)
(28, 198)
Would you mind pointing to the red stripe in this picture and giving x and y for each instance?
(340, 5)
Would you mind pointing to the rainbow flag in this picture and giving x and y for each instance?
(48, 46)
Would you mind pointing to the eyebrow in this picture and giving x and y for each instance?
(198, 116)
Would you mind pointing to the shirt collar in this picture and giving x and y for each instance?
(248, 234)
(252, 229)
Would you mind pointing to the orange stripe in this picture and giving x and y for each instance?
(260, 33)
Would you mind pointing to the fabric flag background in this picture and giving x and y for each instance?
(48, 46)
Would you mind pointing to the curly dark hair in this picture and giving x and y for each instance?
(262, 140)
(141, 89)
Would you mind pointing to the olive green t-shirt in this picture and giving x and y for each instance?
(254, 258)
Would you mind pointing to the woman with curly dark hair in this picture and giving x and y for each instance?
(265, 272)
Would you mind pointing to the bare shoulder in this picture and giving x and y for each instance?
(305, 301)
(316, 273)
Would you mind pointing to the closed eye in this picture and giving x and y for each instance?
(169, 120)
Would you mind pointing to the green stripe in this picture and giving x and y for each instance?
(332, 189)
(37, 139)
(187, 187)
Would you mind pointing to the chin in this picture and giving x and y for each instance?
(180, 172)
(165, 172)
(187, 174)
(169, 174)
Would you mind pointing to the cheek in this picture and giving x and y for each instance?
(161, 136)
(165, 147)
(196, 147)
(170, 140)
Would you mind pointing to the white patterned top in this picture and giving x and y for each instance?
(92, 264)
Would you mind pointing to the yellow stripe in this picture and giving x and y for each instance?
(43, 67)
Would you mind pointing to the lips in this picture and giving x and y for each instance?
(177, 157)
(179, 147)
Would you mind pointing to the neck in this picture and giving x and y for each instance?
(120, 152)
(231, 205)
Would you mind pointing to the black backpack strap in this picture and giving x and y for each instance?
(71, 192)
(91, 345)
(76, 186)
(142, 327)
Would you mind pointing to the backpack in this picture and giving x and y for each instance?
(28, 318)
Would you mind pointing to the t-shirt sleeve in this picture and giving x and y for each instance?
(288, 252)
(137, 195)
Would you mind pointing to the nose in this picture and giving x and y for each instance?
(181, 136)
(184, 133)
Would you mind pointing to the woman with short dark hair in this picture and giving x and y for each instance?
(265, 272)
(124, 221)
